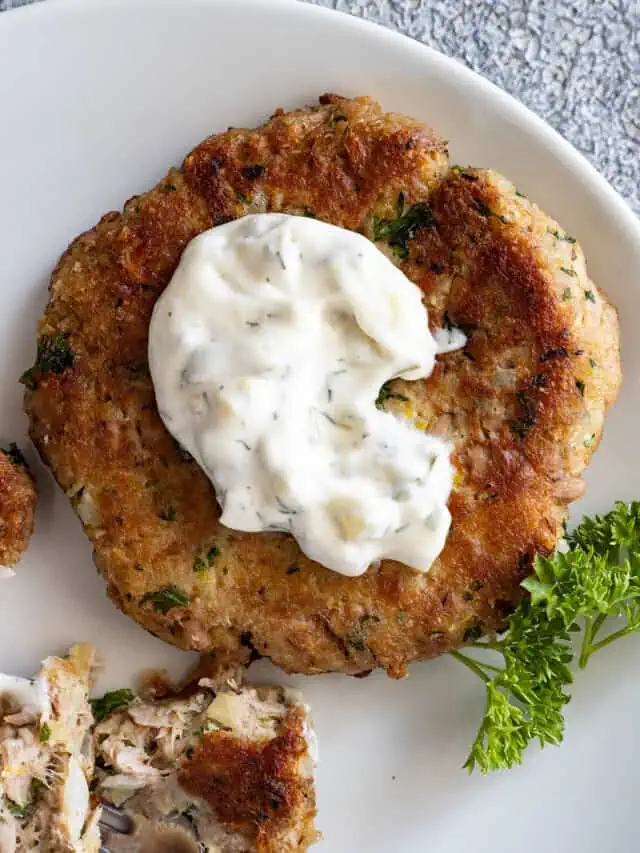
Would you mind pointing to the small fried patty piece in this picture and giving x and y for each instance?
(17, 505)
(46, 759)
(523, 404)
(227, 769)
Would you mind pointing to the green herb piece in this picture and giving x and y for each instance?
(387, 394)
(567, 294)
(566, 237)
(115, 700)
(25, 811)
(520, 195)
(525, 422)
(556, 352)
(597, 580)
(209, 726)
(580, 386)
(44, 733)
(190, 813)
(54, 356)
(255, 170)
(401, 230)
(28, 379)
(589, 294)
(201, 564)
(593, 362)
(482, 208)
(36, 788)
(472, 634)
(15, 808)
(168, 514)
(356, 641)
(166, 599)
(15, 455)
(357, 638)
(568, 271)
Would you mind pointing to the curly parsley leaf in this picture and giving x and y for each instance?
(525, 697)
(597, 580)
(115, 700)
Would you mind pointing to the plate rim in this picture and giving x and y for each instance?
(533, 124)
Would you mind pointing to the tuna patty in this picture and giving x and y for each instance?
(523, 404)
(17, 506)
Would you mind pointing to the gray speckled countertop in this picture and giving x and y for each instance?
(574, 62)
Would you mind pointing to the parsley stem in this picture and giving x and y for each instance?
(492, 668)
(616, 635)
(587, 638)
(598, 622)
(484, 644)
(472, 665)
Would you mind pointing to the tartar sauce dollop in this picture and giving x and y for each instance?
(267, 352)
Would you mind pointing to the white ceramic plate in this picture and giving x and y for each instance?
(96, 100)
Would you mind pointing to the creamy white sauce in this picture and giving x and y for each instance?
(267, 352)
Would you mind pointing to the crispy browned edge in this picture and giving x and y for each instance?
(17, 509)
(255, 787)
(480, 269)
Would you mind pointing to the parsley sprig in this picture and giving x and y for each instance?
(593, 589)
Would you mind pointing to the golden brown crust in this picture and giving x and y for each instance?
(255, 787)
(17, 506)
(523, 404)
